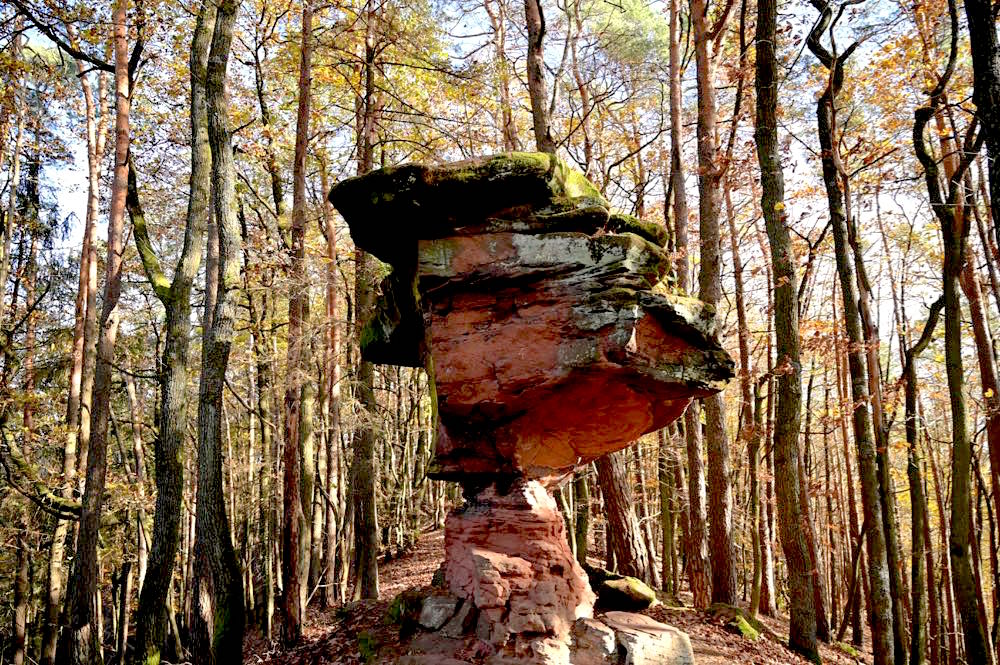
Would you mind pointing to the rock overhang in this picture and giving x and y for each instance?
(519, 288)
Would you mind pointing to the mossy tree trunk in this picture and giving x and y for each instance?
(151, 616)
(218, 622)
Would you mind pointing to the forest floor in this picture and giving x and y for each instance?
(340, 635)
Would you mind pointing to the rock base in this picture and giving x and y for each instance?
(515, 595)
(507, 555)
(615, 638)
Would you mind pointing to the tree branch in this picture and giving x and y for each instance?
(150, 263)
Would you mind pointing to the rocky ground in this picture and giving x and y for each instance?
(358, 633)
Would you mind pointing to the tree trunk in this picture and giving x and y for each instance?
(537, 90)
(218, 624)
(84, 638)
(498, 21)
(808, 530)
(625, 535)
(986, 89)
(665, 484)
(581, 531)
(363, 495)
(297, 431)
(57, 549)
(955, 231)
(791, 514)
(881, 617)
(710, 174)
(333, 391)
(21, 598)
(151, 616)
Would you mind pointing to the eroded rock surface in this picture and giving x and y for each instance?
(552, 335)
(508, 554)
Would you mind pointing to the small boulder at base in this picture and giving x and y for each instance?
(436, 611)
(627, 594)
(617, 592)
(593, 643)
(646, 641)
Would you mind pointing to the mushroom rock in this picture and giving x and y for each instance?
(552, 335)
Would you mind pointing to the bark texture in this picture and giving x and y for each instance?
(151, 615)
(218, 595)
(710, 174)
(792, 516)
(83, 637)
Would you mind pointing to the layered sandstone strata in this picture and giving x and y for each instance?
(552, 335)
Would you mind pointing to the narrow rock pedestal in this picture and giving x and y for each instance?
(506, 551)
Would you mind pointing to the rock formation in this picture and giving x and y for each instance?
(552, 335)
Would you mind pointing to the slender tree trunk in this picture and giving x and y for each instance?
(710, 174)
(881, 617)
(218, 590)
(496, 10)
(581, 532)
(665, 484)
(755, 513)
(333, 396)
(697, 541)
(21, 599)
(935, 637)
(297, 430)
(537, 88)
(985, 53)
(808, 530)
(15, 178)
(363, 496)
(792, 516)
(83, 612)
(955, 230)
(90, 330)
(57, 549)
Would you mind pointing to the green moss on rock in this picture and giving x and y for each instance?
(622, 223)
(404, 611)
(848, 649)
(389, 209)
(741, 626)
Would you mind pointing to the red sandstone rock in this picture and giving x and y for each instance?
(551, 350)
(551, 338)
(508, 554)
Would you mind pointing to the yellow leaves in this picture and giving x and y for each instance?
(988, 393)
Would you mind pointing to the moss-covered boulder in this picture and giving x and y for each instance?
(617, 592)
